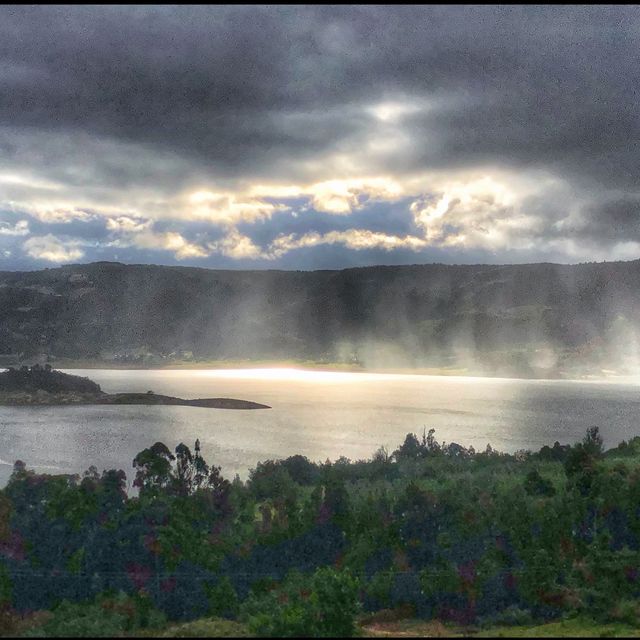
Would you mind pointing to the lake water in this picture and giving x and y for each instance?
(318, 414)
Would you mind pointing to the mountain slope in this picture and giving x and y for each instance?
(524, 319)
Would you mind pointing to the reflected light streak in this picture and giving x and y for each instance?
(309, 375)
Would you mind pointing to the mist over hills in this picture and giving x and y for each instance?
(525, 320)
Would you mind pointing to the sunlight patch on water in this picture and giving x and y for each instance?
(292, 374)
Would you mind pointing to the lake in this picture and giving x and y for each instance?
(315, 413)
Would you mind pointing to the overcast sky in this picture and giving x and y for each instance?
(318, 137)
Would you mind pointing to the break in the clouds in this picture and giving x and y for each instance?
(310, 136)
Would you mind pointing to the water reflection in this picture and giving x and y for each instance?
(319, 414)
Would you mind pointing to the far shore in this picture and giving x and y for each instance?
(211, 364)
(341, 367)
(44, 398)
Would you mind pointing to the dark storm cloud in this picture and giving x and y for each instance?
(614, 220)
(539, 84)
(214, 82)
(150, 100)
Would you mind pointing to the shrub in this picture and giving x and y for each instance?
(627, 611)
(536, 485)
(223, 599)
(324, 605)
(511, 616)
(80, 621)
(110, 615)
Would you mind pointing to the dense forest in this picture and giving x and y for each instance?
(525, 320)
(436, 530)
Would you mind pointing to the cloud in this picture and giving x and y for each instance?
(130, 232)
(128, 224)
(182, 248)
(238, 246)
(228, 210)
(481, 213)
(52, 249)
(357, 239)
(343, 196)
(59, 215)
(20, 228)
(337, 197)
(203, 130)
(616, 220)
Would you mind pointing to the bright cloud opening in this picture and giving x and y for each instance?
(53, 249)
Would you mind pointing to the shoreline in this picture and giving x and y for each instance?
(64, 399)
(449, 372)
(604, 375)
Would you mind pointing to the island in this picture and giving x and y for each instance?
(43, 385)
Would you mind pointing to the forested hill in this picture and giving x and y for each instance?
(536, 319)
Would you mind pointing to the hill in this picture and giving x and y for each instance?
(37, 378)
(535, 319)
(45, 385)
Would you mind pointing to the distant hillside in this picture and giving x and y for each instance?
(537, 319)
(37, 378)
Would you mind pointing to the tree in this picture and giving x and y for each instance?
(536, 485)
(184, 470)
(583, 456)
(153, 468)
(410, 449)
(592, 442)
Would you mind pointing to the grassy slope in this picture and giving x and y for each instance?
(572, 628)
(203, 628)
(575, 627)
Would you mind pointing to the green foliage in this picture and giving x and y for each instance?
(223, 599)
(536, 485)
(5, 587)
(75, 561)
(574, 627)
(627, 611)
(379, 588)
(205, 628)
(583, 457)
(73, 620)
(110, 615)
(511, 617)
(440, 579)
(324, 605)
(153, 467)
(137, 609)
(271, 478)
(439, 529)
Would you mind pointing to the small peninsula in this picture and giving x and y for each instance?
(38, 385)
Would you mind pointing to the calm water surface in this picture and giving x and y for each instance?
(318, 414)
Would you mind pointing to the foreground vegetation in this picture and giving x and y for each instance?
(432, 537)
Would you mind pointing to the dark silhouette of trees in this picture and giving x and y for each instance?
(37, 378)
(438, 528)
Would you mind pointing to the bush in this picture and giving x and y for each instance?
(324, 605)
(511, 616)
(536, 485)
(138, 610)
(627, 611)
(111, 615)
(223, 599)
(80, 621)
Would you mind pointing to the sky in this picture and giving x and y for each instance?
(318, 137)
